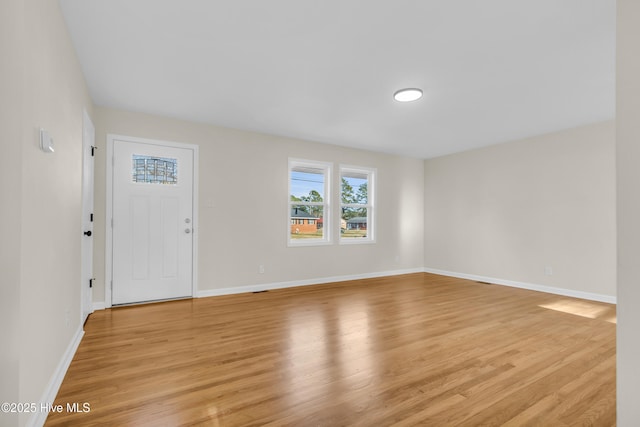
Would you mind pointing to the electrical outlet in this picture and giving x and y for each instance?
(261, 269)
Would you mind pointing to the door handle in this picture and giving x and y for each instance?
(87, 233)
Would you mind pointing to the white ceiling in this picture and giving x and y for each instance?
(492, 70)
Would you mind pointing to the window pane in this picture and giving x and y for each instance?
(307, 222)
(154, 170)
(307, 184)
(353, 223)
(354, 187)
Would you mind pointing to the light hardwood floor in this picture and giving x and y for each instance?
(417, 349)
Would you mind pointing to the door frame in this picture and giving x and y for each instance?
(88, 198)
(108, 264)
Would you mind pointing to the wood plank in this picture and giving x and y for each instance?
(406, 350)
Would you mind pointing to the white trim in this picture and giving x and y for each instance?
(194, 217)
(86, 293)
(530, 286)
(109, 208)
(39, 417)
(108, 219)
(99, 305)
(307, 282)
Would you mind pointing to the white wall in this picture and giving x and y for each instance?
(41, 199)
(509, 210)
(628, 168)
(11, 69)
(243, 205)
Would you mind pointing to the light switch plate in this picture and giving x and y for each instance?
(46, 142)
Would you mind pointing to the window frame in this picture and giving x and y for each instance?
(370, 205)
(326, 203)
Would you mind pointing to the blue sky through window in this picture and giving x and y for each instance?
(304, 182)
(359, 191)
(355, 183)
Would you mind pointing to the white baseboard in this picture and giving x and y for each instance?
(530, 286)
(294, 283)
(290, 284)
(281, 285)
(38, 418)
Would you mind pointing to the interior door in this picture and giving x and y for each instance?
(88, 151)
(152, 222)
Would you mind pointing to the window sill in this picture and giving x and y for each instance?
(356, 241)
(296, 244)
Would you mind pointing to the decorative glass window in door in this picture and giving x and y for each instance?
(155, 170)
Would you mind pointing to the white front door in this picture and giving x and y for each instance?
(88, 151)
(152, 222)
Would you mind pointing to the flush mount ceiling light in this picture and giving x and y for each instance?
(408, 94)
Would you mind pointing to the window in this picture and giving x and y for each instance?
(308, 202)
(357, 206)
(154, 170)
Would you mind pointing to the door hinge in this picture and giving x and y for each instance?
(91, 217)
(93, 149)
(91, 283)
